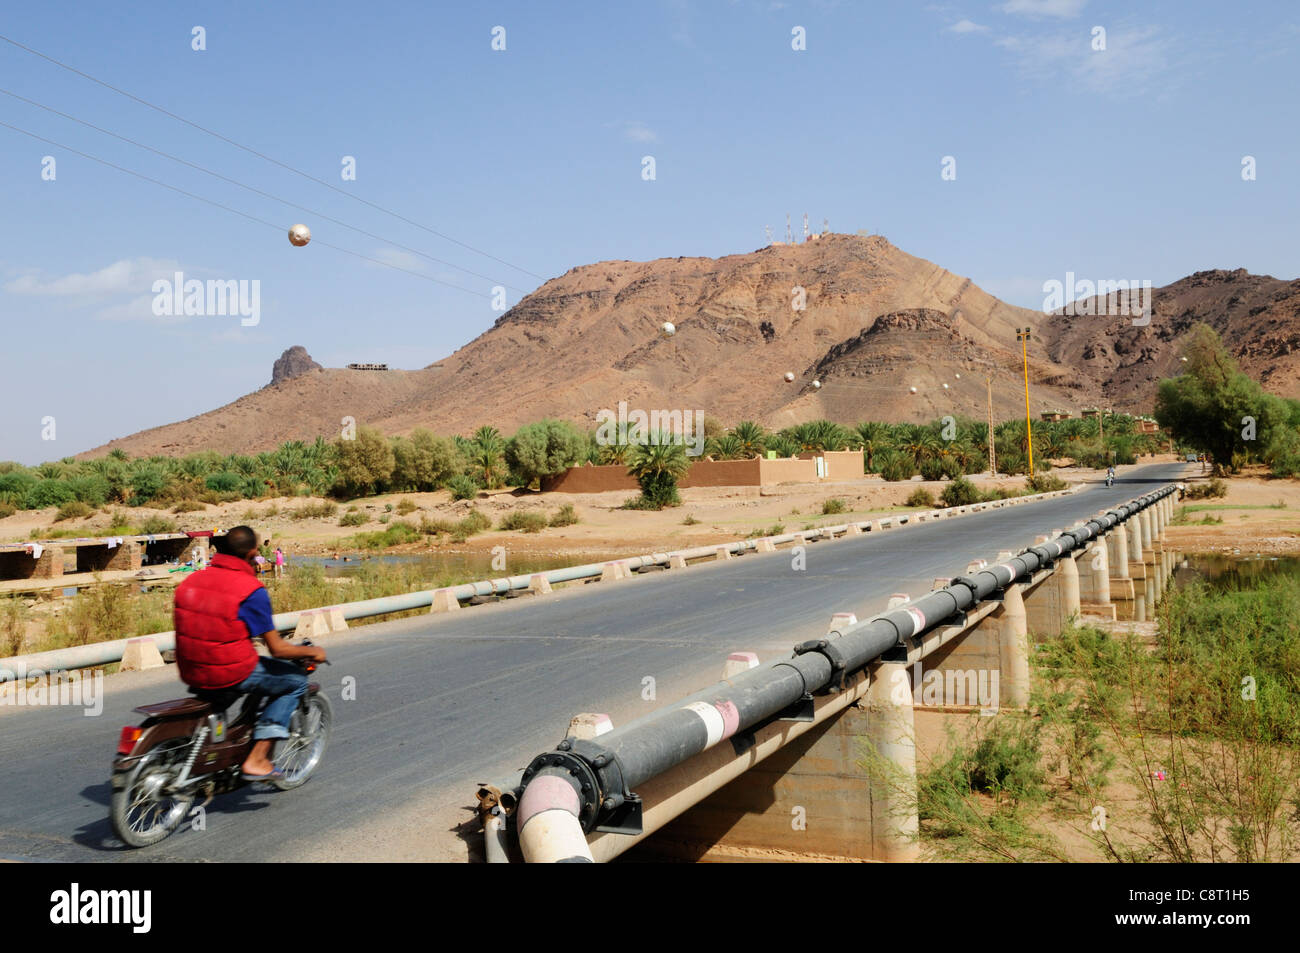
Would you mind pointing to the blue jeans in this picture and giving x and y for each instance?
(284, 684)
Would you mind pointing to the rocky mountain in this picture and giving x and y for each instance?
(880, 330)
(294, 362)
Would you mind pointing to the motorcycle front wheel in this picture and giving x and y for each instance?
(309, 730)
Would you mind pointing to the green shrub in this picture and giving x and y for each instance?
(353, 518)
(189, 506)
(566, 515)
(895, 466)
(525, 522)
(462, 487)
(690, 520)
(834, 505)
(405, 507)
(321, 510)
(1214, 487)
(920, 497)
(394, 535)
(157, 524)
(7, 509)
(1045, 483)
(73, 510)
(960, 492)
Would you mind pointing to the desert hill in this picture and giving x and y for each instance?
(876, 323)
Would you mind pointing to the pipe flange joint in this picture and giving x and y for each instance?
(833, 654)
(582, 777)
(970, 583)
(1044, 555)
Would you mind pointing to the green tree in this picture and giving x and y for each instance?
(544, 449)
(1214, 407)
(365, 463)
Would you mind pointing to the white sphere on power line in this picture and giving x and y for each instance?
(789, 377)
(667, 329)
(299, 235)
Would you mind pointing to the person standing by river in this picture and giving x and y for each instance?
(279, 563)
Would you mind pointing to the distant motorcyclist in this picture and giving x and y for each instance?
(1110, 475)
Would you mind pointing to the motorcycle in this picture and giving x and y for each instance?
(1110, 480)
(189, 747)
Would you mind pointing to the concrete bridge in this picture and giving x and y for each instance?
(441, 702)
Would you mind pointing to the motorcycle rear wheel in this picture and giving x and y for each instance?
(141, 811)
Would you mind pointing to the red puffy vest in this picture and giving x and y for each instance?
(213, 647)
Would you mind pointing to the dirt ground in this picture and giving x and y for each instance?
(1260, 514)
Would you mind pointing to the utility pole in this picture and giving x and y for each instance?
(1023, 338)
(993, 460)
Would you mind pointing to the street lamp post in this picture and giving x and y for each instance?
(1023, 338)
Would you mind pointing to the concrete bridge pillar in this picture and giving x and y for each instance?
(891, 728)
(1121, 584)
(1013, 642)
(1093, 564)
(1052, 603)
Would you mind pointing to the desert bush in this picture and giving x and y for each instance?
(920, 497)
(960, 492)
(1045, 483)
(157, 524)
(323, 509)
(834, 505)
(395, 535)
(7, 509)
(73, 510)
(189, 506)
(1212, 488)
(566, 515)
(462, 487)
(405, 507)
(523, 521)
(353, 518)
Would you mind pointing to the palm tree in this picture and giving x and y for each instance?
(875, 437)
(726, 447)
(753, 438)
(657, 466)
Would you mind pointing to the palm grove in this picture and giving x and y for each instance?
(1212, 407)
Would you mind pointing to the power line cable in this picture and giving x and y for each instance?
(273, 161)
(224, 178)
(227, 208)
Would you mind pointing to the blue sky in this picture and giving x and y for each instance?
(1116, 163)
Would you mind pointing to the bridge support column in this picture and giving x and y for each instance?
(1094, 580)
(1122, 592)
(1050, 604)
(891, 728)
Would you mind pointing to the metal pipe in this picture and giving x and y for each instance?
(549, 829)
(494, 837)
(603, 772)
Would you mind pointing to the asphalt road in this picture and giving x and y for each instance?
(443, 702)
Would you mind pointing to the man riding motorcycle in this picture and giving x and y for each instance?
(218, 612)
(1110, 475)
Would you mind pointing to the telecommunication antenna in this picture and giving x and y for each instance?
(788, 239)
(768, 229)
(805, 226)
(826, 226)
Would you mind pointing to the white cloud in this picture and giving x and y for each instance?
(967, 26)
(1044, 8)
(396, 258)
(121, 277)
(1133, 57)
(636, 131)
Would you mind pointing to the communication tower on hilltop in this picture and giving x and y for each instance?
(788, 239)
(805, 226)
(768, 230)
